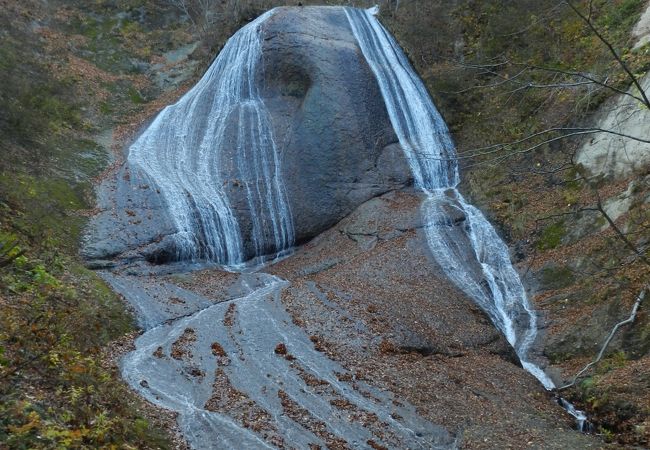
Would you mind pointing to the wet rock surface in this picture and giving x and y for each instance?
(336, 146)
(340, 148)
(241, 372)
(354, 341)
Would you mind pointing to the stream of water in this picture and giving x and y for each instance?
(215, 362)
(188, 150)
(180, 363)
(462, 240)
(192, 151)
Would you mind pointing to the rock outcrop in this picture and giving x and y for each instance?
(642, 29)
(366, 339)
(339, 146)
(335, 143)
(614, 155)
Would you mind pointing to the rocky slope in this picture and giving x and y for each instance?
(580, 273)
(363, 329)
(619, 157)
(580, 284)
(175, 364)
(328, 122)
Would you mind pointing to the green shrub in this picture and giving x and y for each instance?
(551, 236)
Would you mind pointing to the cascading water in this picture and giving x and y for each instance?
(461, 239)
(472, 255)
(220, 126)
(206, 357)
(184, 153)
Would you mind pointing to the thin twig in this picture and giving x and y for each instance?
(617, 230)
(635, 309)
(586, 77)
(535, 22)
(614, 53)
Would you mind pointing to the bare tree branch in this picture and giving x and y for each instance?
(568, 132)
(614, 53)
(546, 15)
(491, 70)
(584, 76)
(504, 80)
(617, 230)
(630, 319)
(184, 7)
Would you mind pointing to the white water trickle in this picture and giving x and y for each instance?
(580, 416)
(461, 239)
(220, 129)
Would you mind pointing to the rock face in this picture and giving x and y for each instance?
(369, 293)
(614, 156)
(362, 340)
(642, 29)
(335, 143)
(339, 146)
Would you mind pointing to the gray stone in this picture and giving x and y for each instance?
(589, 222)
(336, 143)
(641, 31)
(339, 146)
(615, 156)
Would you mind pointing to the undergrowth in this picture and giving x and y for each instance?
(57, 386)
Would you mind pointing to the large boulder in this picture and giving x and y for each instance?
(335, 142)
(339, 146)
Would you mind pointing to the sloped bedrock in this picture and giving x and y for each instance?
(374, 267)
(330, 118)
(368, 294)
(133, 215)
(363, 295)
(336, 146)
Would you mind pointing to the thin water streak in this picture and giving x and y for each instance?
(219, 135)
(485, 272)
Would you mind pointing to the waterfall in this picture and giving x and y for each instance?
(219, 129)
(222, 128)
(463, 242)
